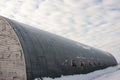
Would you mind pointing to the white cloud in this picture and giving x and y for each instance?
(92, 22)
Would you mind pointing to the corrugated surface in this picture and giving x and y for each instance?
(49, 55)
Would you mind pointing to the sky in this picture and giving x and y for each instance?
(92, 22)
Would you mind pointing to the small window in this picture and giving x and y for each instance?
(82, 64)
(90, 63)
(73, 63)
(94, 63)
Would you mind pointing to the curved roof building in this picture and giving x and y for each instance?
(27, 53)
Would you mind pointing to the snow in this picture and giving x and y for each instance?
(111, 76)
(83, 46)
(91, 22)
(111, 73)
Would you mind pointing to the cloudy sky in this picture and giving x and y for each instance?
(92, 22)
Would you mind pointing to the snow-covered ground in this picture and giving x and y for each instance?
(92, 22)
(111, 73)
(110, 76)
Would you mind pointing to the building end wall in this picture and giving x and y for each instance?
(12, 62)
